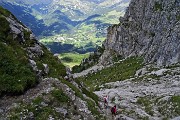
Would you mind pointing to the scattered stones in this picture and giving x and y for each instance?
(133, 92)
(33, 65)
(61, 110)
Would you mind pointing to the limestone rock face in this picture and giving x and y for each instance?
(149, 28)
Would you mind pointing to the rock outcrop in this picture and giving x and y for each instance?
(149, 28)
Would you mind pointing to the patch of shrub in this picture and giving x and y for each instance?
(16, 73)
(4, 28)
(147, 104)
(4, 12)
(67, 59)
(158, 6)
(60, 95)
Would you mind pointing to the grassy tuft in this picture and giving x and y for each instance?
(170, 108)
(147, 104)
(158, 6)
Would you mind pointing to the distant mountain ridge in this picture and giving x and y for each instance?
(53, 17)
(36, 23)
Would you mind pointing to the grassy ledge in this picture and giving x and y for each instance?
(120, 71)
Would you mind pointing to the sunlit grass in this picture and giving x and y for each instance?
(72, 59)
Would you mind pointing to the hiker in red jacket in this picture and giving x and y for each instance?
(106, 101)
(113, 111)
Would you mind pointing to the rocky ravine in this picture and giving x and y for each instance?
(150, 29)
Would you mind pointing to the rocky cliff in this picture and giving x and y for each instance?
(149, 28)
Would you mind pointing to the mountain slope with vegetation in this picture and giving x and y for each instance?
(32, 84)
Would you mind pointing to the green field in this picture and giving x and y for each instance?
(72, 59)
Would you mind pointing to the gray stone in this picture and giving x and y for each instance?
(32, 36)
(176, 84)
(141, 72)
(33, 65)
(164, 99)
(37, 50)
(1, 110)
(133, 100)
(31, 115)
(46, 68)
(44, 104)
(159, 72)
(176, 118)
(123, 117)
(15, 30)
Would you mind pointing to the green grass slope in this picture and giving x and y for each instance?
(16, 74)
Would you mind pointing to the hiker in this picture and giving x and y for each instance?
(113, 111)
(105, 101)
